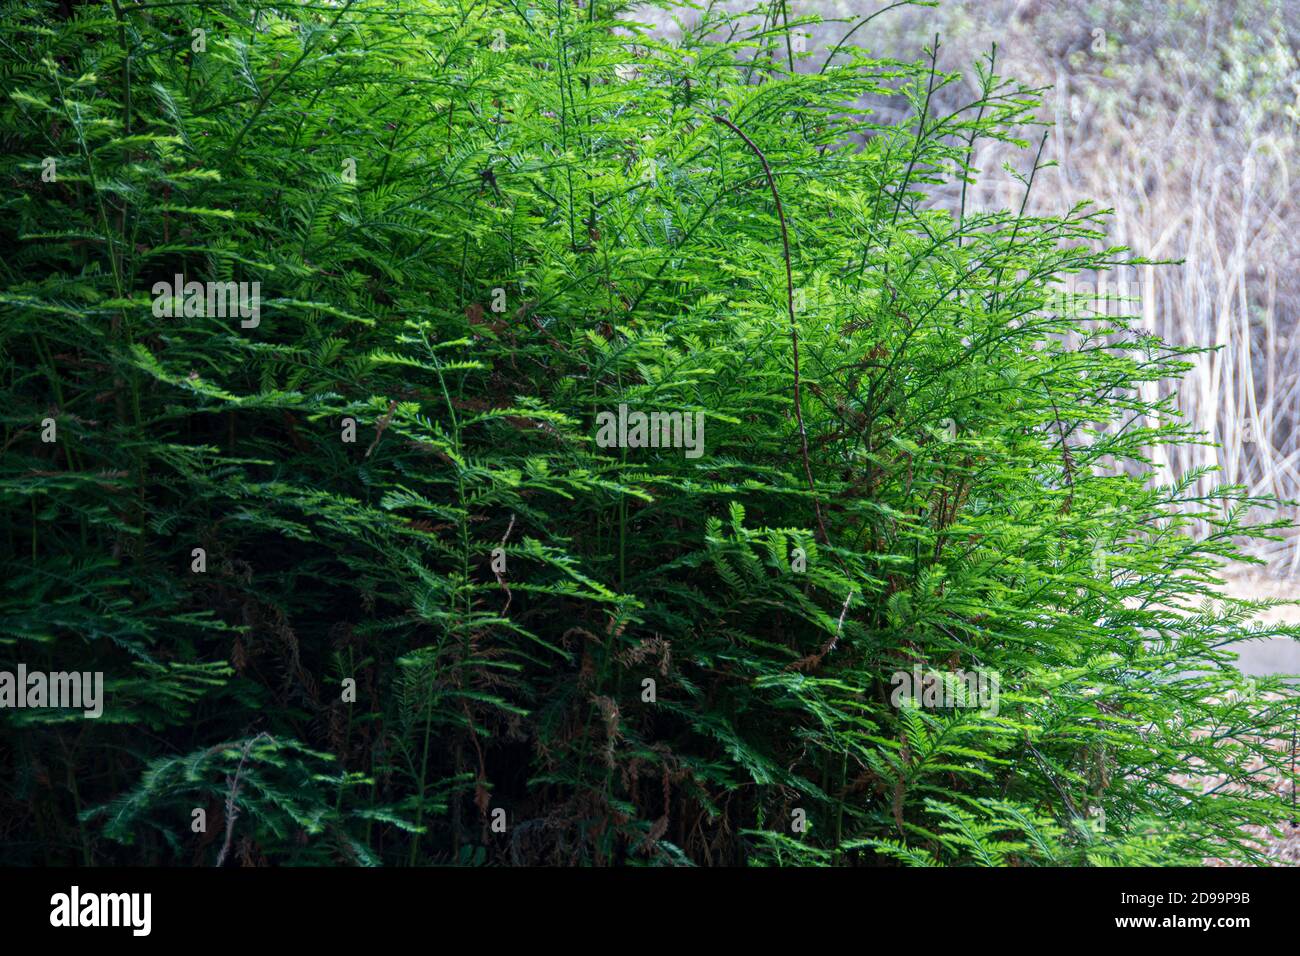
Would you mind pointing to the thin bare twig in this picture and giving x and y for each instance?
(379, 429)
(1067, 460)
(500, 579)
(232, 810)
(815, 659)
(794, 329)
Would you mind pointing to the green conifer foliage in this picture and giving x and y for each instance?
(476, 227)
